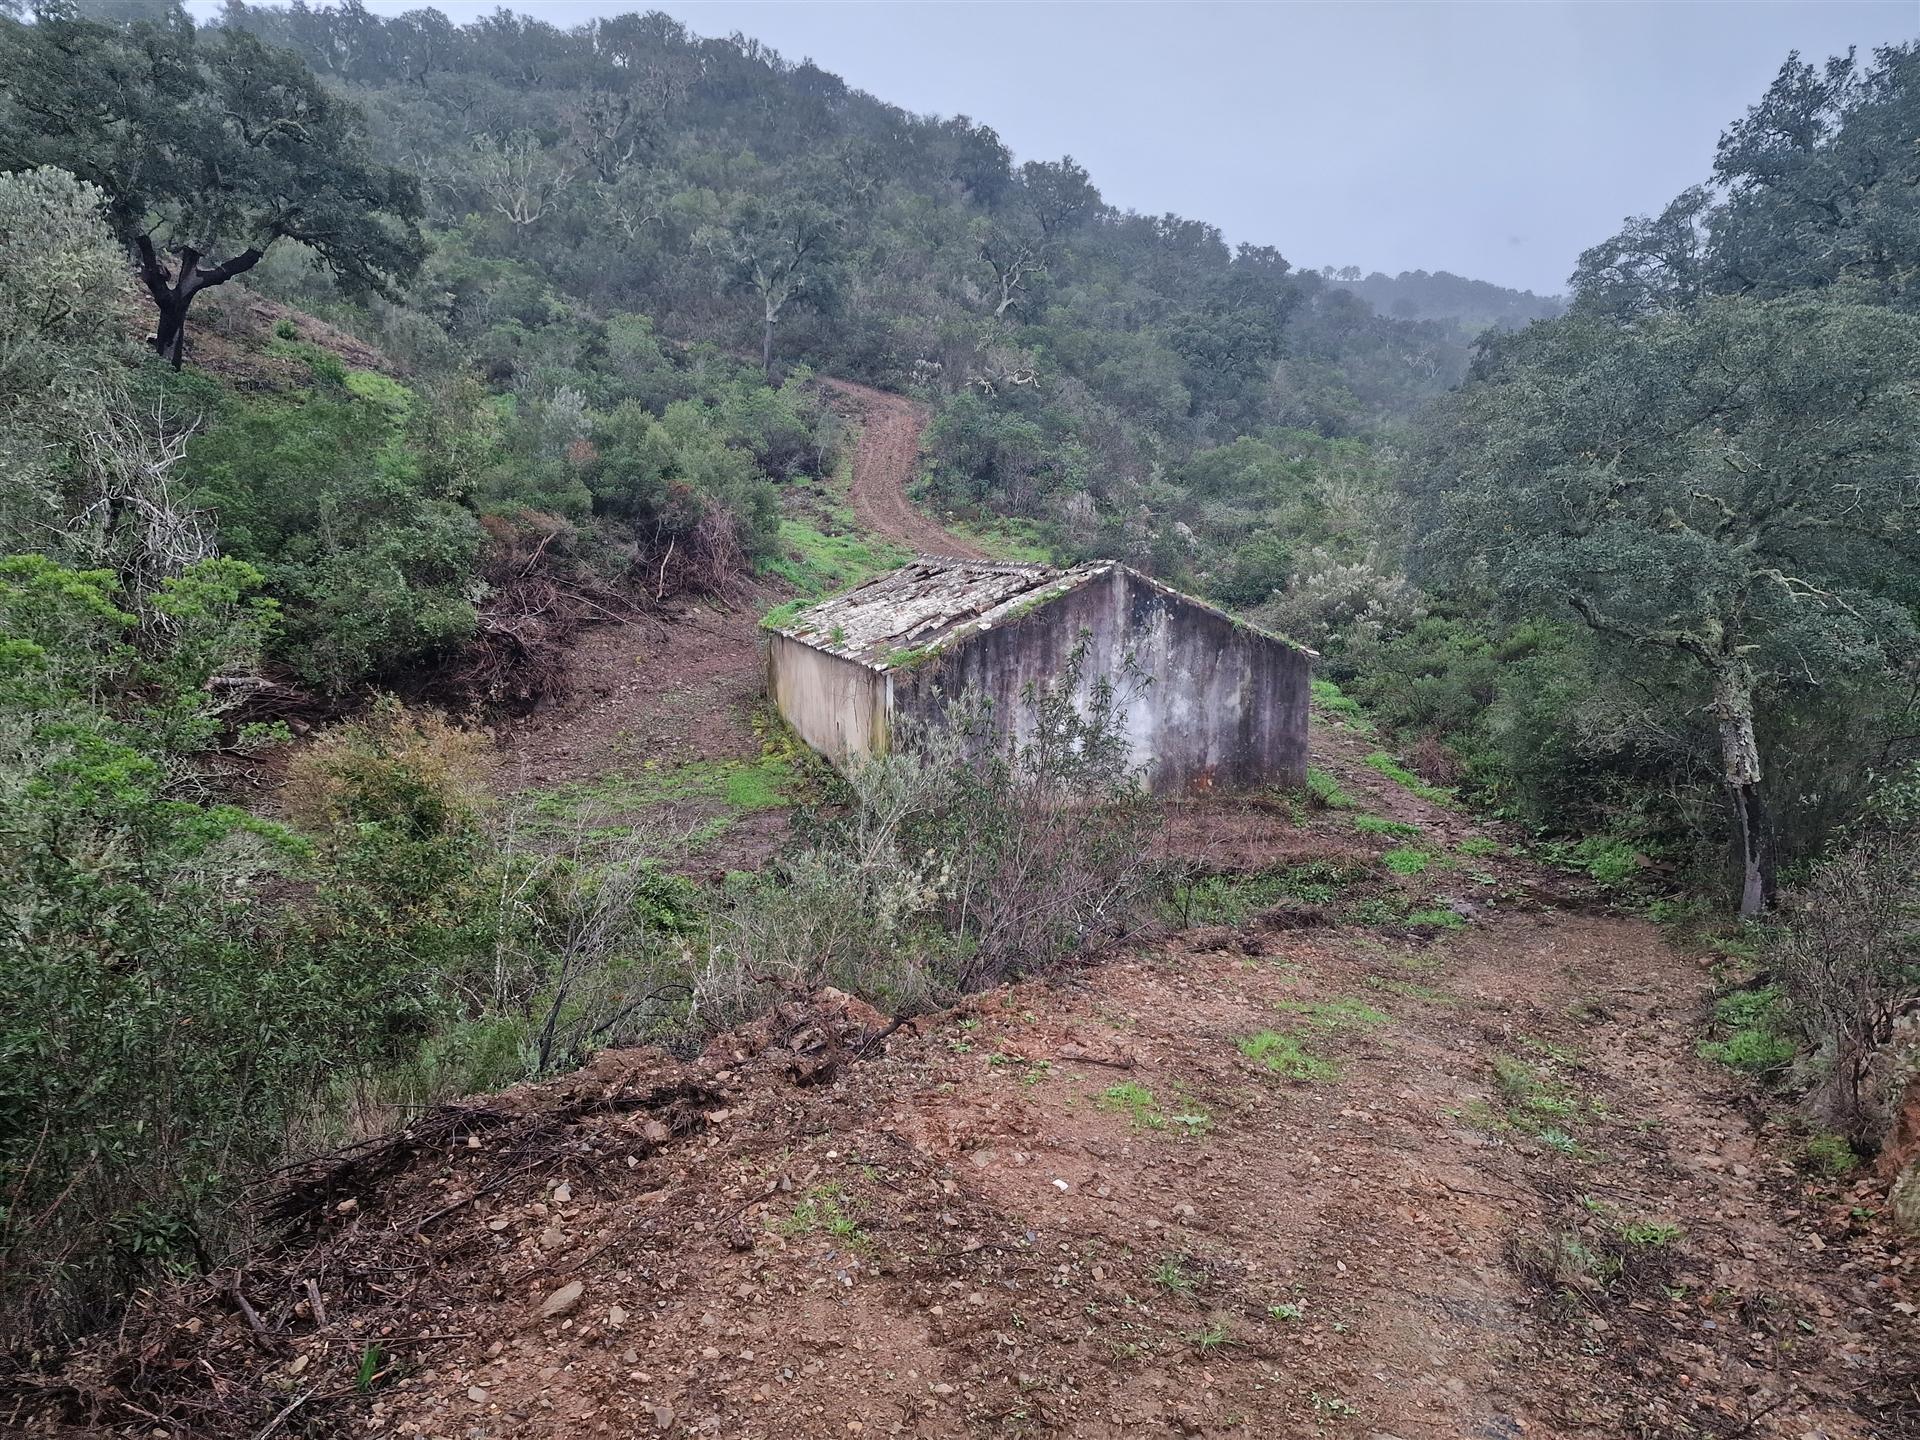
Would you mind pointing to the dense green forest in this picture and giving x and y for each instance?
(550, 308)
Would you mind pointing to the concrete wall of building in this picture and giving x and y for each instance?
(1208, 704)
(837, 706)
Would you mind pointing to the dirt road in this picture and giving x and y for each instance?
(884, 464)
(1475, 1183)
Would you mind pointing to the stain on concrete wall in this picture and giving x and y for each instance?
(1207, 703)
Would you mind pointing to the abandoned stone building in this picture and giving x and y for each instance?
(1208, 702)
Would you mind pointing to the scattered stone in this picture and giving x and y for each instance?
(562, 1301)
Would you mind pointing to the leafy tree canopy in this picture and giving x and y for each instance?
(211, 146)
(1733, 483)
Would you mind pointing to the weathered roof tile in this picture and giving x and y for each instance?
(925, 603)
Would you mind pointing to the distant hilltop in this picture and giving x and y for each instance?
(1472, 305)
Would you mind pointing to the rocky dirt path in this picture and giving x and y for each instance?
(884, 464)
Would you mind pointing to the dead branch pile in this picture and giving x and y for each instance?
(539, 596)
(707, 559)
(369, 1248)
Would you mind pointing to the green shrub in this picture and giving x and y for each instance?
(162, 1018)
(372, 570)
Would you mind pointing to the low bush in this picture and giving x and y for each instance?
(964, 858)
(1847, 963)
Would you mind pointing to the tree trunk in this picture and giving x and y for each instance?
(772, 317)
(1740, 770)
(173, 296)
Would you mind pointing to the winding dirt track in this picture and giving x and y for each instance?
(884, 462)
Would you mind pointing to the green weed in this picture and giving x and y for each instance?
(1381, 761)
(1407, 860)
(1213, 1338)
(1757, 1041)
(1326, 789)
(1284, 1054)
(1380, 825)
(1136, 1102)
(1342, 1014)
(1172, 1274)
(1651, 1234)
(825, 1209)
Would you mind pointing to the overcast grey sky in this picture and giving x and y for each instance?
(1493, 140)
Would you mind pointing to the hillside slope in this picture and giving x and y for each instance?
(1474, 1182)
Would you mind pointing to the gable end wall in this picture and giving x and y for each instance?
(1216, 705)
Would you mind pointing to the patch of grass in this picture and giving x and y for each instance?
(1533, 1102)
(1136, 1102)
(1330, 698)
(1213, 1338)
(1345, 1013)
(909, 659)
(825, 1209)
(1172, 1274)
(1652, 1234)
(1381, 761)
(1231, 899)
(1438, 917)
(1479, 845)
(1031, 1072)
(1374, 910)
(1326, 790)
(817, 563)
(784, 616)
(1605, 859)
(1407, 860)
(1285, 1054)
(1008, 538)
(1828, 1155)
(1285, 1312)
(1757, 1040)
(1380, 825)
(1524, 1087)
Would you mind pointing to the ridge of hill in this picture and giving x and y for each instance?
(1471, 305)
